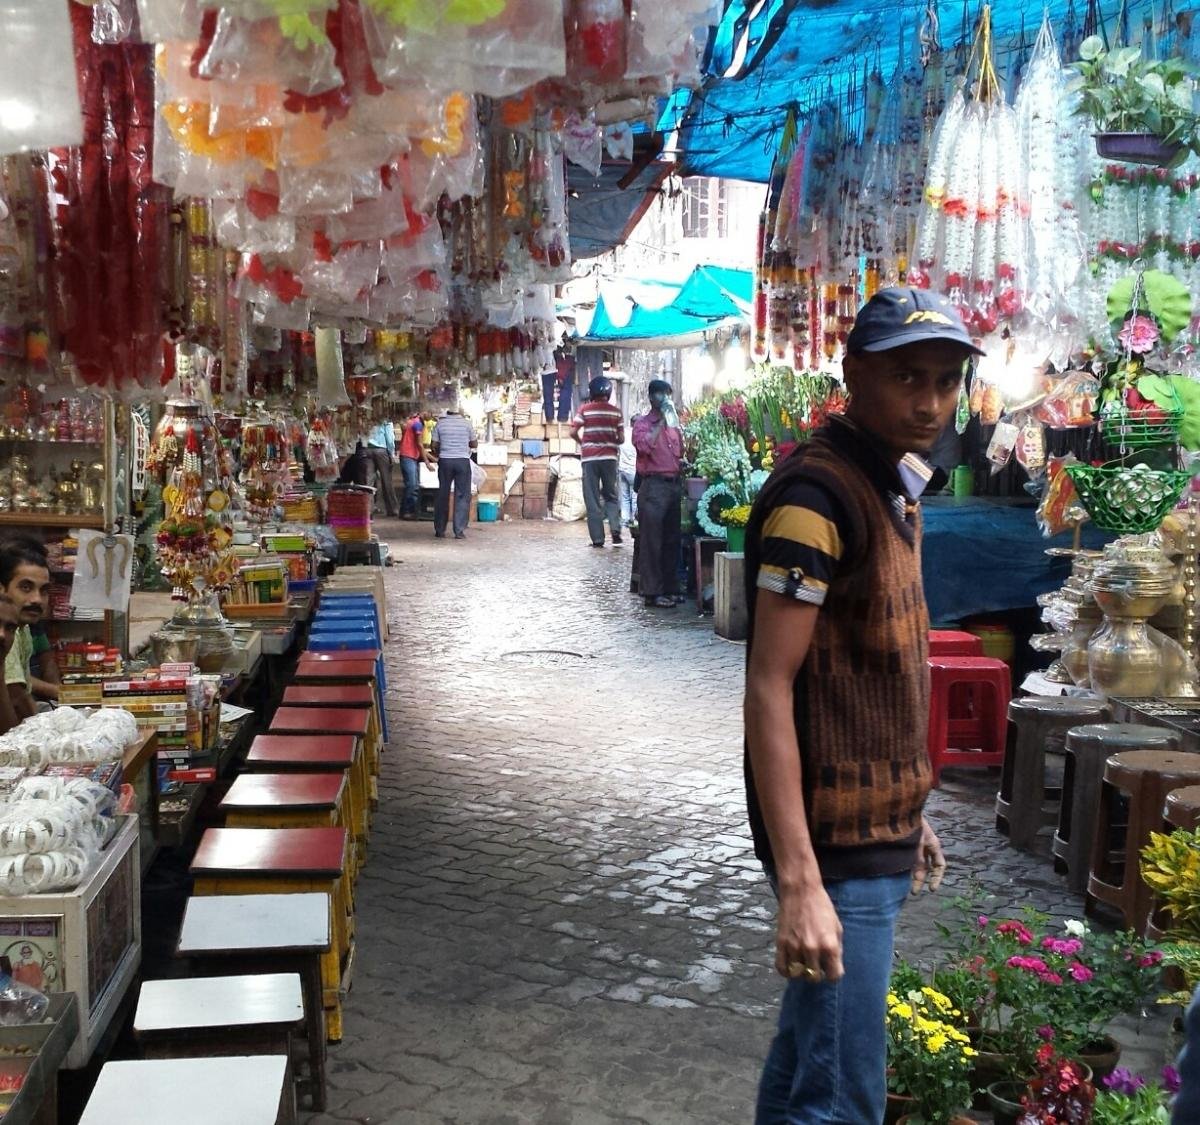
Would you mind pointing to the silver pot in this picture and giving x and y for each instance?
(175, 648)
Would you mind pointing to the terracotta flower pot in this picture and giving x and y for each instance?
(1136, 148)
(898, 1106)
(989, 1066)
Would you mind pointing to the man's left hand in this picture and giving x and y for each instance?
(931, 860)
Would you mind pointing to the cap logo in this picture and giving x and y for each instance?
(927, 316)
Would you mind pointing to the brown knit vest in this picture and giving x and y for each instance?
(861, 699)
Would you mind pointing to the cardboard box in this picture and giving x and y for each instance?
(513, 507)
(532, 431)
(563, 445)
(537, 488)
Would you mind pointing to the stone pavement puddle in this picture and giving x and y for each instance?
(561, 921)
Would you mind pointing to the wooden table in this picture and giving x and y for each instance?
(301, 753)
(1179, 715)
(252, 1090)
(287, 861)
(139, 765)
(274, 932)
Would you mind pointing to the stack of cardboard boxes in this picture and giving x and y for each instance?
(534, 445)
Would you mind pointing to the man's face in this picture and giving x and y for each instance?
(906, 396)
(9, 624)
(30, 590)
(658, 398)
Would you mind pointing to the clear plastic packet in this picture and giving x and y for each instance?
(163, 20)
(37, 77)
(257, 52)
(582, 141)
(1002, 444)
(1060, 509)
(20, 1003)
(1071, 401)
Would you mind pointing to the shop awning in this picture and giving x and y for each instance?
(661, 314)
(604, 209)
(768, 56)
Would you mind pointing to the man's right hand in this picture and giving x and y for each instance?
(808, 937)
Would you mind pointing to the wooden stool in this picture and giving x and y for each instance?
(993, 680)
(1087, 748)
(298, 753)
(1025, 803)
(253, 1014)
(248, 1090)
(355, 695)
(287, 861)
(355, 721)
(1182, 809)
(356, 673)
(267, 933)
(286, 800)
(1146, 777)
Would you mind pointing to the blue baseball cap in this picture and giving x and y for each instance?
(903, 315)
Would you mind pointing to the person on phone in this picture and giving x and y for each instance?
(836, 705)
(658, 440)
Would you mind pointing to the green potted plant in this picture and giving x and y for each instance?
(1142, 108)
(929, 1057)
(1062, 1094)
(1171, 868)
(1125, 1098)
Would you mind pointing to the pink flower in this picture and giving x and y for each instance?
(1067, 947)
(981, 921)
(1046, 1032)
(1149, 959)
(1081, 972)
(1020, 932)
(1029, 964)
(1050, 978)
(1170, 1077)
(1139, 335)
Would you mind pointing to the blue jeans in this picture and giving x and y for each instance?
(828, 1058)
(628, 499)
(549, 383)
(456, 472)
(412, 490)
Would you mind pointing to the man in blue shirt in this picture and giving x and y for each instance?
(381, 449)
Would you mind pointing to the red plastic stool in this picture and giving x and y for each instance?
(990, 680)
(954, 642)
(965, 729)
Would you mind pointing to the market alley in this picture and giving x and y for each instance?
(561, 920)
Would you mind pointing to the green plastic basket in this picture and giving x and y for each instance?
(1127, 499)
(1121, 426)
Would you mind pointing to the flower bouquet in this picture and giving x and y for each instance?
(929, 1056)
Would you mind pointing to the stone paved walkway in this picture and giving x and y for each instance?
(560, 921)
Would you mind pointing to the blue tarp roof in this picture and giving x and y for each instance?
(767, 56)
(712, 297)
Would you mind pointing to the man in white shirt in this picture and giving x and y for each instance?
(381, 449)
(626, 472)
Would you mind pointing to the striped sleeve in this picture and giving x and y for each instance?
(803, 543)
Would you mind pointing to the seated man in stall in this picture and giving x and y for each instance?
(25, 580)
(15, 701)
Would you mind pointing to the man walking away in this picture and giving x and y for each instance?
(412, 455)
(626, 476)
(659, 444)
(453, 440)
(381, 448)
(599, 429)
(837, 705)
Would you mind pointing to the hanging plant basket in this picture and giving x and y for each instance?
(1137, 148)
(1127, 499)
(1155, 424)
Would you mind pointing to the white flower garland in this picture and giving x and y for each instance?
(704, 509)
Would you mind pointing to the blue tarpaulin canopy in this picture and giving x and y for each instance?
(658, 314)
(768, 56)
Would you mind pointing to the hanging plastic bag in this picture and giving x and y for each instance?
(1060, 509)
(37, 77)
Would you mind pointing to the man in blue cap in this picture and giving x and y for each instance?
(836, 705)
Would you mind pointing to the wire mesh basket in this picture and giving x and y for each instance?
(1127, 499)
(1142, 429)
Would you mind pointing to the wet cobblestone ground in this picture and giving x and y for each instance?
(561, 921)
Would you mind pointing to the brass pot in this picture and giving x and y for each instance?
(1123, 659)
